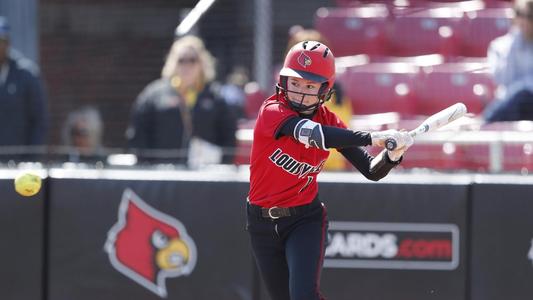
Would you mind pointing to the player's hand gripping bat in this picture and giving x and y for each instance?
(435, 121)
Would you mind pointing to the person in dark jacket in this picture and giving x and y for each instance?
(23, 109)
(182, 117)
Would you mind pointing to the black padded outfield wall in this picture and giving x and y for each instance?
(21, 248)
(147, 235)
(145, 239)
(502, 242)
(391, 241)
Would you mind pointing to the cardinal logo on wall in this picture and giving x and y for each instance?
(149, 246)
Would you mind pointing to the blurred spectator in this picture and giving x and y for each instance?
(233, 90)
(338, 103)
(82, 134)
(511, 61)
(182, 117)
(23, 111)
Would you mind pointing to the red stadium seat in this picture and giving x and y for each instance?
(481, 27)
(447, 1)
(438, 157)
(354, 30)
(434, 156)
(419, 61)
(355, 3)
(416, 31)
(425, 156)
(254, 99)
(464, 5)
(244, 142)
(443, 85)
(499, 3)
(517, 156)
(380, 87)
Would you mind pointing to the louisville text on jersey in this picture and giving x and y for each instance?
(292, 166)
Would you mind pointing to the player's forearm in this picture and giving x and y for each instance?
(373, 168)
(381, 165)
(334, 137)
(343, 138)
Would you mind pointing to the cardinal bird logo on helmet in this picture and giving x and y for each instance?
(148, 246)
(304, 60)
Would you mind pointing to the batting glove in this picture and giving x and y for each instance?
(380, 137)
(404, 141)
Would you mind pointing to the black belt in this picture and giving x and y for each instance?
(276, 212)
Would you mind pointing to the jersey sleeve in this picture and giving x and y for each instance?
(271, 118)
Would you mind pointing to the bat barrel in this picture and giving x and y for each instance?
(435, 121)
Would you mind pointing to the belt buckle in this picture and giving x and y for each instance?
(270, 213)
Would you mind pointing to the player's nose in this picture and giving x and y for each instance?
(297, 89)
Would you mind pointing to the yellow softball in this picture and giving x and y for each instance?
(27, 184)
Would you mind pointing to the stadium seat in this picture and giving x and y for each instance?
(416, 31)
(518, 158)
(438, 157)
(244, 142)
(443, 85)
(435, 156)
(380, 87)
(356, 3)
(354, 30)
(481, 27)
(498, 3)
(415, 3)
(517, 153)
(464, 5)
(375, 122)
(423, 156)
(419, 60)
(254, 99)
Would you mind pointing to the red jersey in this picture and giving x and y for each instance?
(283, 171)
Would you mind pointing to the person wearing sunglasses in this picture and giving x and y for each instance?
(182, 117)
(82, 135)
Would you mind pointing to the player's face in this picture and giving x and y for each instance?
(302, 91)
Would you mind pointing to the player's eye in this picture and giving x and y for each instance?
(159, 240)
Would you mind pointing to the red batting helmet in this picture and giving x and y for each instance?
(309, 60)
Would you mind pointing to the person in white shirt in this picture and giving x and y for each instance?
(510, 59)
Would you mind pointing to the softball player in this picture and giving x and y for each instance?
(287, 222)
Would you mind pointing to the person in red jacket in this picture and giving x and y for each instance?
(294, 131)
